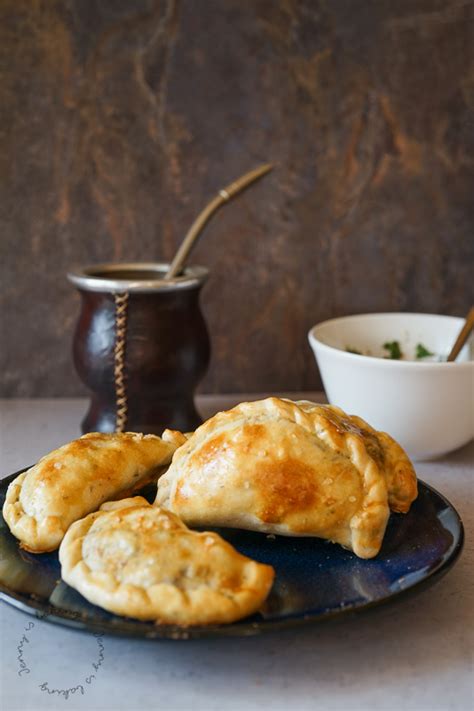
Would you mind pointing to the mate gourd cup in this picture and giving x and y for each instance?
(141, 346)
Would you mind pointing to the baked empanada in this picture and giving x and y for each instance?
(77, 478)
(291, 468)
(141, 561)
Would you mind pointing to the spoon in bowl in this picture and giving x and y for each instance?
(464, 334)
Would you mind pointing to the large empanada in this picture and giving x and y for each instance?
(141, 561)
(292, 468)
(77, 478)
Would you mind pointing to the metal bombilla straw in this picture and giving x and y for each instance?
(176, 266)
(196, 228)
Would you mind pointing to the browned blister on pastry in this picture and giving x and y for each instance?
(141, 561)
(291, 468)
(76, 479)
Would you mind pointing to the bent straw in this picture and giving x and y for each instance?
(222, 197)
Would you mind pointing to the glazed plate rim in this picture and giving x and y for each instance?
(137, 629)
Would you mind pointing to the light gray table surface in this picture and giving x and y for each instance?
(416, 654)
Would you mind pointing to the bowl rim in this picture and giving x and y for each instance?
(317, 344)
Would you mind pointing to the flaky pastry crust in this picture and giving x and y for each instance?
(291, 468)
(77, 478)
(138, 560)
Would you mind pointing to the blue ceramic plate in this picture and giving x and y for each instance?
(315, 580)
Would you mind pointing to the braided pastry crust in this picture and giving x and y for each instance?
(290, 468)
(138, 560)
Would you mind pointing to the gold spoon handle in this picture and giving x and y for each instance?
(222, 196)
(463, 335)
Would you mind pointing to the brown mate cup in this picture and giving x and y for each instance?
(141, 346)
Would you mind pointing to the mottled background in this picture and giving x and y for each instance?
(121, 118)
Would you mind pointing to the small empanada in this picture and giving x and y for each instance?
(292, 468)
(77, 478)
(141, 561)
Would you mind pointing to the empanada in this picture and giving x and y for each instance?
(292, 468)
(141, 561)
(77, 478)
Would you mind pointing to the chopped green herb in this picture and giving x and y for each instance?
(422, 351)
(394, 350)
(353, 350)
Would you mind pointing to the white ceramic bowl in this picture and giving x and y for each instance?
(428, 407)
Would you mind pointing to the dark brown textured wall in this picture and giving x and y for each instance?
(120, 119)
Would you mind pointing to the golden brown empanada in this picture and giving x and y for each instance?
(77, 478)
(141, 561)
(292, 468)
